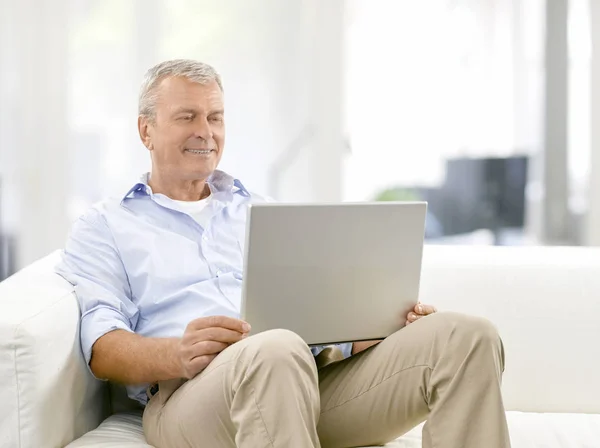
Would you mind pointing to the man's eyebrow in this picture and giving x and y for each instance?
(217, 112)
(182, 110)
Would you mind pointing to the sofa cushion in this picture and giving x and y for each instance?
(533, 430)
(125, 431)
(118, 431)
(528, 430)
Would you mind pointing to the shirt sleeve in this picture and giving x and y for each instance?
(91, 263)
(346, 349)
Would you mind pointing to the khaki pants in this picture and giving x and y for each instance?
(266, 391)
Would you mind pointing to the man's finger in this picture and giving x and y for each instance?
(198, 364)
(220, 321)
(207, 348)
(216, 334)
(424, 310)
(412, 317)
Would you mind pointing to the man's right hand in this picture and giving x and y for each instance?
(204, 339)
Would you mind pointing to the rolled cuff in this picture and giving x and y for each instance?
(95, 324)
(346, 349)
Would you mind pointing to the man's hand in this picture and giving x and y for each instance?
(204, 339)
(418, 312)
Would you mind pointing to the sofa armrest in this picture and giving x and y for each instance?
(48, 396)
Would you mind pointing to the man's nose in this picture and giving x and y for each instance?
(203, 129)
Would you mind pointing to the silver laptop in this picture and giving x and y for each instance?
(332, 273)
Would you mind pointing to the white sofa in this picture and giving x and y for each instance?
(545, 302)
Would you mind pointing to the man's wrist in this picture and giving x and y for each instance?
(358, 347)
(174, 367)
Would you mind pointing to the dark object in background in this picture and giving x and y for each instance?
(7, 249)
(477, 193)
(480, 193)
(7, 256)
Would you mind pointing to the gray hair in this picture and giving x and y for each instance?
(195, 71)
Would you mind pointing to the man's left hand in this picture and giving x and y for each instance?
(420, 310)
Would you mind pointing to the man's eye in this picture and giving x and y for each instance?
(216, 119)
(187, 118)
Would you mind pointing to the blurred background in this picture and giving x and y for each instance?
(487, 109)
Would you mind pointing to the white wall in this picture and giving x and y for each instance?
(35, 148)
(70, 73)
(69, 102)
(438, 79)
(593, 217)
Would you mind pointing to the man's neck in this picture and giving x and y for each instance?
(186, 190)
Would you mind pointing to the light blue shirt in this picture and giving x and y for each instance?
(143, 265)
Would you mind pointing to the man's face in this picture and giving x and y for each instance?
(187, 136)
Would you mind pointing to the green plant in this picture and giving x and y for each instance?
(398, 194)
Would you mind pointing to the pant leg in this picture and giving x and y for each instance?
(260, 392)
(445, 368)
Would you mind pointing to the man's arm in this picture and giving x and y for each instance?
(128, 358)
(92, 264)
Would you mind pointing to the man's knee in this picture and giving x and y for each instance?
(280, 347)
(464, 326)
(471, 332)
(470, 326)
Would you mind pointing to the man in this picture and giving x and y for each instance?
(158, 275)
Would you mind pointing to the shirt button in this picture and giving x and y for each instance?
(219, 272)
(204, 238)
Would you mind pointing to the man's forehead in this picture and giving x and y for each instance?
(182, 90)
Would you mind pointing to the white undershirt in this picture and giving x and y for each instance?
(195, 209)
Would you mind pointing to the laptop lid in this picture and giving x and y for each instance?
(332, 273)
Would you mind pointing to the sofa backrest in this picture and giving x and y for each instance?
(545, 302)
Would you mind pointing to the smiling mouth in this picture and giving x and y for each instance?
(200, 151)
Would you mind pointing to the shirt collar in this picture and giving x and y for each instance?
(219, 182)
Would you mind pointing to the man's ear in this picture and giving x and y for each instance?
(143, 129)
